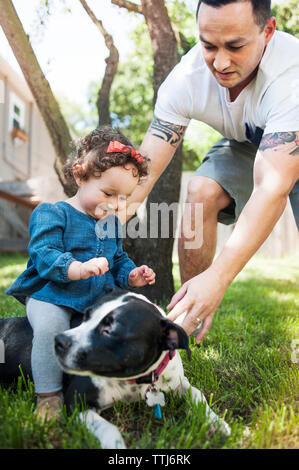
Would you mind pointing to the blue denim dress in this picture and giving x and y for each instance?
(59, 235)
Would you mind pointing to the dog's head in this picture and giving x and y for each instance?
(121, 336)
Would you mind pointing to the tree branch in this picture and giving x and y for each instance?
(98, 23)
(110, 71)
(131, 6)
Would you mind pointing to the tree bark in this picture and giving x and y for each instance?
(39, 86)
(157, 252)
(163, 40)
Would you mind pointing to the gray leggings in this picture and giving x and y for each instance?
(47, 320)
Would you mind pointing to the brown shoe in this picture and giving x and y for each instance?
(48, 407)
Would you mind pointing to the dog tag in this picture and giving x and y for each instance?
(157, 411)
(153, 398)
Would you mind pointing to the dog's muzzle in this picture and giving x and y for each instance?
(69, 358)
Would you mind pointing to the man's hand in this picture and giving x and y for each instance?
(199, 298)
(141, 276)
(92, 267)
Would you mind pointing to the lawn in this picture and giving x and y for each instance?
(245, 368)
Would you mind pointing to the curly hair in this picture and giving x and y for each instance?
(91, 153)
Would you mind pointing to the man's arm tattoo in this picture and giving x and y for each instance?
(271, 141)
(171, 133)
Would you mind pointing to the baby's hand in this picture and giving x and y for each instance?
(94, 267)
(141, 276)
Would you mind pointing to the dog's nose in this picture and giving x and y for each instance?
(62, 344)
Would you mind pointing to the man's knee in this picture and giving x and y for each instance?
(207, 192)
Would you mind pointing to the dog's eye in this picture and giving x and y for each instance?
(104, 330)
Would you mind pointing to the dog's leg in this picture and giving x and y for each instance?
(108, 434)
(198, 397)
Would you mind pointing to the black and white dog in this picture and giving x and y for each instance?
(124, 349)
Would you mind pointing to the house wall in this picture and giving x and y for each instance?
(32, 160)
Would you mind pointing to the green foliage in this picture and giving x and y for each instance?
(287, 16)
(184, 25)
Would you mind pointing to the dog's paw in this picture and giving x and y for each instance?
(225, 429)
(220, 425)
(107, 434)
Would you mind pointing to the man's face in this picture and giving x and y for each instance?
(233, 43)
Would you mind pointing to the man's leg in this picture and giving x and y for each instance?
(222, 186)
(294, 199)
(204, 201)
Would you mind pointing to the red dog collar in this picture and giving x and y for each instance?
(155, 374)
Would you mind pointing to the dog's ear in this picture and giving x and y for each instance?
(87, 313)
(114, 290)
(173, 337)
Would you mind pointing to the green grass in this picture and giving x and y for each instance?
(243, 367)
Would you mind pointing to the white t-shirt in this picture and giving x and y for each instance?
(269, 103)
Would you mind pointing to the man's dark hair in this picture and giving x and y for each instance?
(261, 8)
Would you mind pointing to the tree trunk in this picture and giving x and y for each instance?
(39, 86)
(163, 39)
(157, 252)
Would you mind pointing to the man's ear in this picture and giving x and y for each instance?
(173, 337)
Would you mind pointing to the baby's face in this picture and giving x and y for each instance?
(106, 194)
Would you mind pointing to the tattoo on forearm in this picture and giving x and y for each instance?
(271, 141)
(171, 133)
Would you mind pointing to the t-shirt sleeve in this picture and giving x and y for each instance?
(281, 104)
(174, 101)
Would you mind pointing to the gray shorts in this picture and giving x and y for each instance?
(230, 163)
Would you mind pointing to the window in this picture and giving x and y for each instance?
(16, 112)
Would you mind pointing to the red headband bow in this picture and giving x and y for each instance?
(115, 146)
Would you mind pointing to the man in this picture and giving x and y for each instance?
(242, 79)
